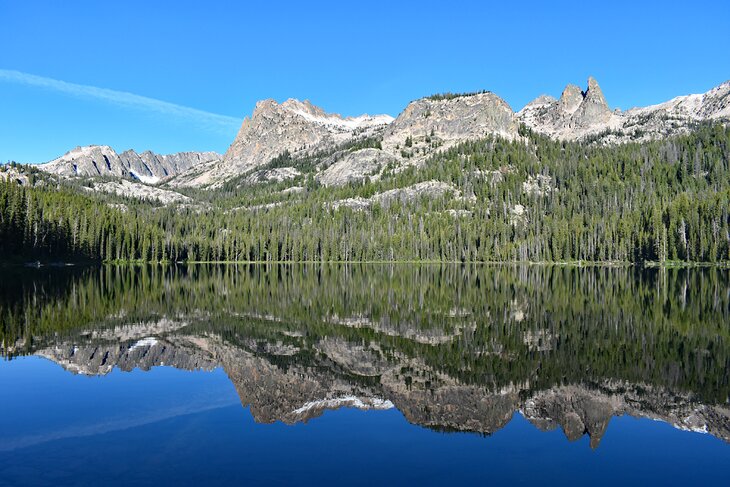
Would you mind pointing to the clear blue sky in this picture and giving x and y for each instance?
(221, 57)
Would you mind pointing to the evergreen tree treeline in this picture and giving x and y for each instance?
(663, 200)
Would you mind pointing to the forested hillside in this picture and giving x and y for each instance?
(533, 199)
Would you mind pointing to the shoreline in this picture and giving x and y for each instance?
(579, 264)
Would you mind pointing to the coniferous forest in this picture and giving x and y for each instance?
(656, 201)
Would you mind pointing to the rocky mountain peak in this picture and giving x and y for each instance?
(593, 109)
(264, 106)
(294, 126)
(92, 160)
(305, 107)
(592, 84)
(576, 114)
(594, 94)
(570, 99)
(541, 100)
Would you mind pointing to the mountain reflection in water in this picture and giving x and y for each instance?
(452, 348)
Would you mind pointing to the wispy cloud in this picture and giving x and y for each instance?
(205, 120)
(117, 424)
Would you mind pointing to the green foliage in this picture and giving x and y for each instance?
(451, 96)
(662, 201)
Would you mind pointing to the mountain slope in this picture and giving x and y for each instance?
(295, 127)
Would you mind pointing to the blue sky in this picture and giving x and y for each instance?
(62, 63)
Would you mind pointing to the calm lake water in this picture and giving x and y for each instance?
(364, 375)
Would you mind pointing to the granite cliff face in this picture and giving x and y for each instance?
(593, 109)
(570, 99)
(437, 123)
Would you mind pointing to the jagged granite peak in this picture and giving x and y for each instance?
(92, 160)
(272, 130)
(594, 94)
(103, 161)
(294, 126)
(593, 109)
(574, 115)
(570, 99)
(593, 117)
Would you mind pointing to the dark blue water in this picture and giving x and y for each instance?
(461, 388)
(171, 427)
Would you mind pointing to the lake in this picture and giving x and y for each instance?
(364, 375)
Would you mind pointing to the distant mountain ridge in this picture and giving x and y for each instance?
(299, 129)
(146, 167)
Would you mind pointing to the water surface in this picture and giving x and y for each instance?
(364, 374)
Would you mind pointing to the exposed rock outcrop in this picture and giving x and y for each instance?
(277, 174)
(16, 174)
(570, 99)
(129, 189)
(575, 115)
(430, 189)
(355, 166)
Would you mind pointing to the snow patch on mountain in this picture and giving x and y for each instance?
(148, 342)
(145, 179)
(346, 401)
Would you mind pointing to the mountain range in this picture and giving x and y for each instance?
(292, 131)
(347, 374)
(454, 177)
